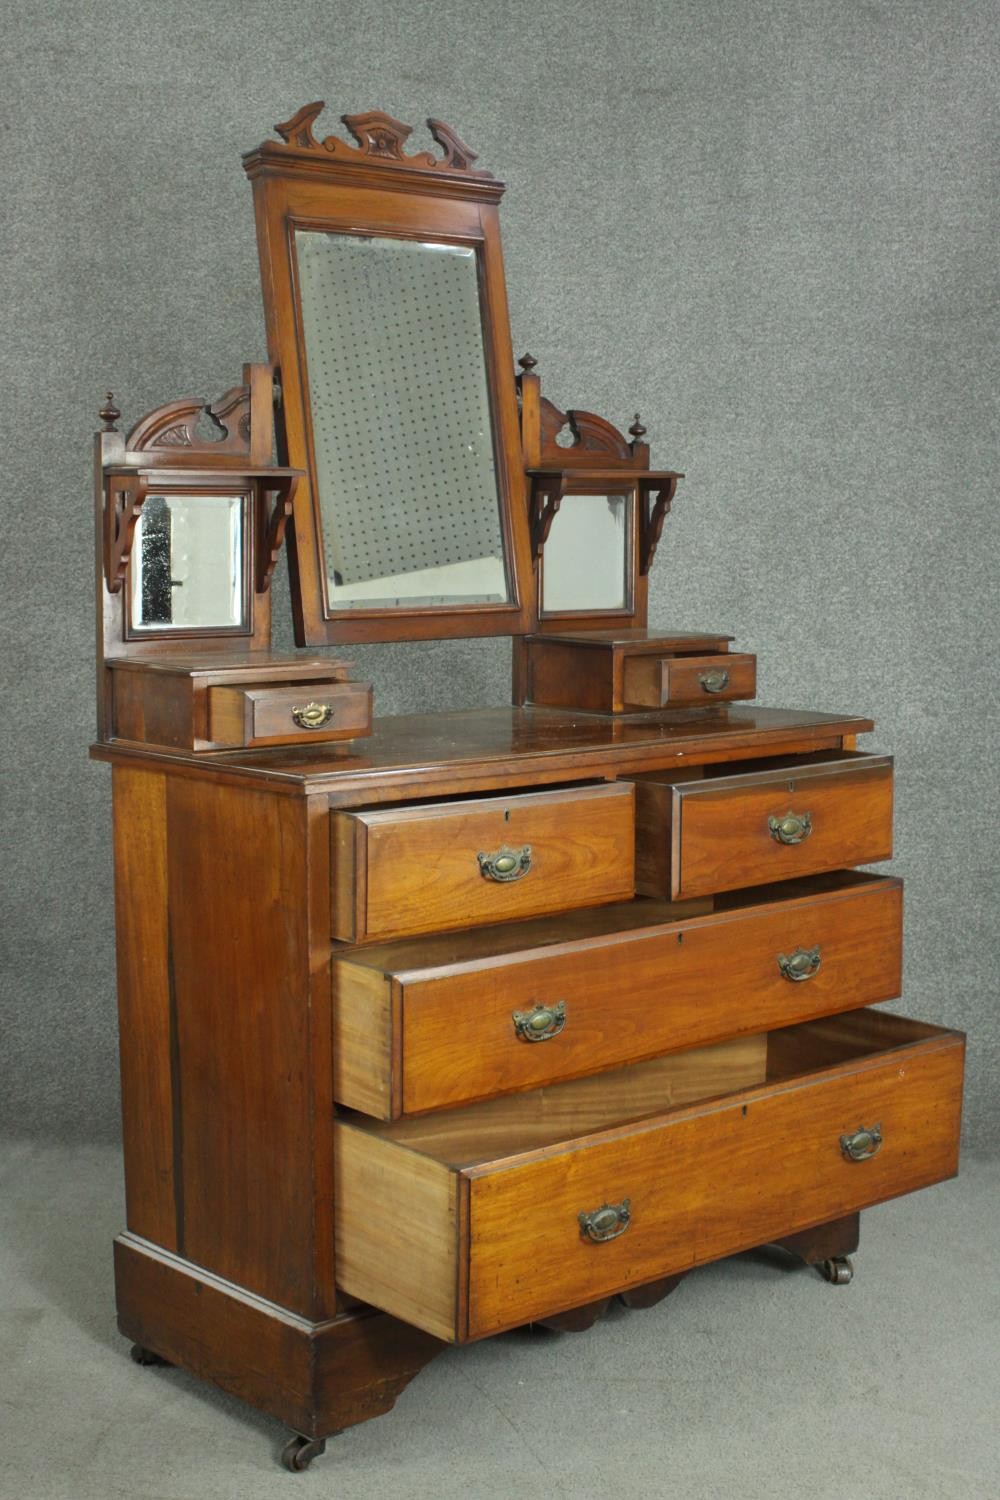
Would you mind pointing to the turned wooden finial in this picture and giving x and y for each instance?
(109, 413)
(637, 430)
(527, 363)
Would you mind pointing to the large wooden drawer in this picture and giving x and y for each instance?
(427, 868)
(476, 1220)
(448, 1019)
(717, 832)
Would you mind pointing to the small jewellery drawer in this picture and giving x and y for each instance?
(445, 1020)
(667, 681)
(403, 870)
(720, 832)
(480, 1219)
(267, 715)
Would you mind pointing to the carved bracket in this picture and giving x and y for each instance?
(547, 491)
(123, 501)
(664, 488)
(380, 139)
(272, 522)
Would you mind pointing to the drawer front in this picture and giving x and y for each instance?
(460, 864)
(718, 1179)
(414, 1033)
(501, 1229)
(312, 711)
(659, 682)
(723, 833)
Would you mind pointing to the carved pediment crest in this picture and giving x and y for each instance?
(380, 138)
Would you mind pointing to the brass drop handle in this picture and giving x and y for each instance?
(715, 681)
(793, 828)
(863, 1144)
(606, 1222)
(505, 864)
(313, 715)
(540, 1024)
(800, 965)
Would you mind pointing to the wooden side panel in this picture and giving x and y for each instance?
(422, 866)
(561, 675)
(254, 1071)
(145, 1004)
(397, 1230)
(721, 840)
(364, 1068)
(348, 885)
(715, 1181)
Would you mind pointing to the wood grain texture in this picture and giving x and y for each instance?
(317, 1377)
(416, 756)
(718, 833)
(428, 1024)
(397, 1205)
(417, 869)
(562, 1112)
(146, 1012)
(733, 1169)
(253, 1061)
(708, 1183)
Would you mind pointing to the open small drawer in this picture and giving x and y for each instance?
(708, 831)
(427, 867)
(475, 1220)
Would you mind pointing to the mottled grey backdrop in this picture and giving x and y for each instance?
(769, 225)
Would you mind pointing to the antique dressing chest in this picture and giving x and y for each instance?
(439, 1025)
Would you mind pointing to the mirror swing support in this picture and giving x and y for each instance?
(339, 1007)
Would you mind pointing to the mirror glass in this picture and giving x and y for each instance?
(585, 560)
(187, 563)
(401, 422)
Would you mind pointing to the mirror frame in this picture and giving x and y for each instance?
(375, 187)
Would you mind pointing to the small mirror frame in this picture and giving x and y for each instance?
(376, 187)
(598, 460)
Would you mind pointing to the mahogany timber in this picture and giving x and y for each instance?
(824, 1241)
(428, 1024)
(586, 669)
(662, 682)
(226, 1053)
(336, 187)
(711, 833)
(318, 1377)
(417, 869)
(167, 701)
(263, 715)
(416, 756)
(705, 1179)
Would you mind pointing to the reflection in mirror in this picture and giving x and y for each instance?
(585, 562)
(187, 563)
(401, 422)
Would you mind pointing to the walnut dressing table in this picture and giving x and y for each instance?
(439, 1025)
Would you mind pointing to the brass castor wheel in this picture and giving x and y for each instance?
(143, 1356)
(299, 1452)
(838, 1271)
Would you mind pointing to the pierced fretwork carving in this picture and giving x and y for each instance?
(380, 138)
(174, 425)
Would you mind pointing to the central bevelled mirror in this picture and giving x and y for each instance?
(387, 321)
(406, 478)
